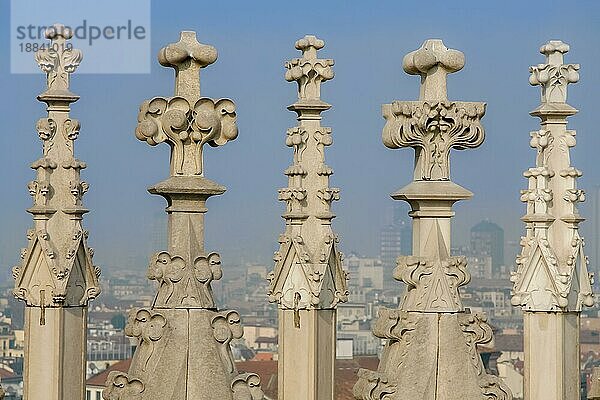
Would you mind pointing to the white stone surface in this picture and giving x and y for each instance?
(56, 278)
(308, 280)
(431, 350)
(184, 340)
(552, 282)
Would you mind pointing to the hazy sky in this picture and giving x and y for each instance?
(368, 41)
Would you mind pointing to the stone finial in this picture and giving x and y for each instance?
(552, 195)
(433, 125)
(187, 57)
(309, 239)
(184, 336)
(431, 332)
(58, 59)
(56, 277)
(552, 283)
(309, 71)
(308, 281)
(58, 242)
(433, 61)
(554, 75)
(187, 121)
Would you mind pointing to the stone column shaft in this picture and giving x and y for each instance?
(431, 351)
(552, 283)
(184, 340)
(308, 281)
(56, 278)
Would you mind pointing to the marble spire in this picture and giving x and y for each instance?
(552, 282)
(56, 278)
(184, 340)
(431, 350)
(308, 281)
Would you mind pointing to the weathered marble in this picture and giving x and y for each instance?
(308, 281)
(184, 340)
(552, 282)
(431, 350)
(56, 278)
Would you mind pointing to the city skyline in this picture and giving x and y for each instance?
(124, 218)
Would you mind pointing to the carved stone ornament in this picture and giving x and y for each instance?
(308, 271)
(552, 270)
(121, 387)
(183, 285)
(184, 340)
(433, 125)
(56, 277)
(309, 71)
(431, 339)
(320, 283)
(433, 128)
(308, 281)
(187, 121)
(58, 60)
(187, 128)
(41, 280)
(226, 326)
(246, 386)
(56, 268)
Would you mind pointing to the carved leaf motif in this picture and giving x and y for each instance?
(46, 128)
(208, 268)
(148, 326)
(246, 386)
(119, 386)
(373, 385)
(296, 138)
(71, 129)
(227, 326)
(216, 121)
(433, 128)
(493, 388)
(46, 60)
(71, 60)
(167, 270)
(175, 121)
(43, 162)
(554, 80)
(309, 71)
(58, 61)
(432, 284)
(477, 332)
(393, 324)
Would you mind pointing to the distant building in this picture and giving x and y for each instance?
(487, 239)
(593, 239)
(345, 375)
(395, 239)
(480, 266)
(365, 273)
(256, 273)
